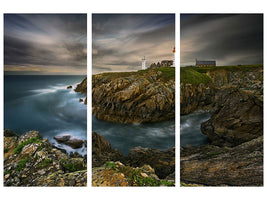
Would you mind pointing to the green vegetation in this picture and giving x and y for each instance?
(213, 154)
(21, 164)
(19, 148)
(110, 165)
(189, 75)
(7, 172)
(229, 68)
(167, 73)
(44, 163)
(72, 167)
(135, 178)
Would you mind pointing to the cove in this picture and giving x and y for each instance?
(190, 133)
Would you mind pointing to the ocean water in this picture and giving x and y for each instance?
(44, 103)
(190, 133)
(127, 136)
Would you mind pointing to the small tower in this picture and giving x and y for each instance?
(173, 60)
(144, 63)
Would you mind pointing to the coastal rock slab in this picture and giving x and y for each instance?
(219, 166)
(70, 140)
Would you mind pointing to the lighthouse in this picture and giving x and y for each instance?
(144, 63)
(173, 59)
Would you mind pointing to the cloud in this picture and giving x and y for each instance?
(120, 41)
(45, 40)
(229, 39)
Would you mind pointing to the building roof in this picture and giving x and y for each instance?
(202, 62)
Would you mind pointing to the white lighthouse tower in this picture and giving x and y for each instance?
(173, 60)
(144, 63)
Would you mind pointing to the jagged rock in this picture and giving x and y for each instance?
(117, 174)
(9, 133)
(30, 160)
(162, 161)
(69, 87)
(217, 166)
(82, 87)
(102, 152)
(238, 118)
(80, 100)
(133, 97)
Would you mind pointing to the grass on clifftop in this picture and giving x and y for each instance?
(228, 68)
(189, 75)
(167, 73)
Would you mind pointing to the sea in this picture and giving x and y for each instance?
(43, 103)
(160, 135)
(190, 132)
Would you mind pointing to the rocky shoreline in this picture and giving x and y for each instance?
(234, 157)
(141, 167)
(30, 160)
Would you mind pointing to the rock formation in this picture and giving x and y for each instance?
(134, 97)
(235, 129)
(162, 163)
(30, 160)
(82, 87)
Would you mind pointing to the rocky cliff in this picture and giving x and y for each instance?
(134, 97)
(30, 160)
(82, 87)
(235, 128)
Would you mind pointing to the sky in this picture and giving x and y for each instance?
(45, 44)
(120, 41)
(230, 39)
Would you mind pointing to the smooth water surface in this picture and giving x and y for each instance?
(190, 133)
(127, 136)
(44, 103)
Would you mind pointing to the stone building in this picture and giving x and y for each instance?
(205, 63)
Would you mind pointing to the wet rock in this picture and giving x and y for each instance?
(69, 140)
(9, 133)
(74, 143)
(82, 87)
(80, 100)
(62, 138)
(102, 152)
(69, 87)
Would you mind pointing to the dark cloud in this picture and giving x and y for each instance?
(44, 42)
(229, 39)
(121, 40)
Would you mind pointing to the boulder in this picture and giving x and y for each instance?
(62, 138)
(69, 140)
(69, 87)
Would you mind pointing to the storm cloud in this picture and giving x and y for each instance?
(121, 40)
(45, 43)
(230, 39)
